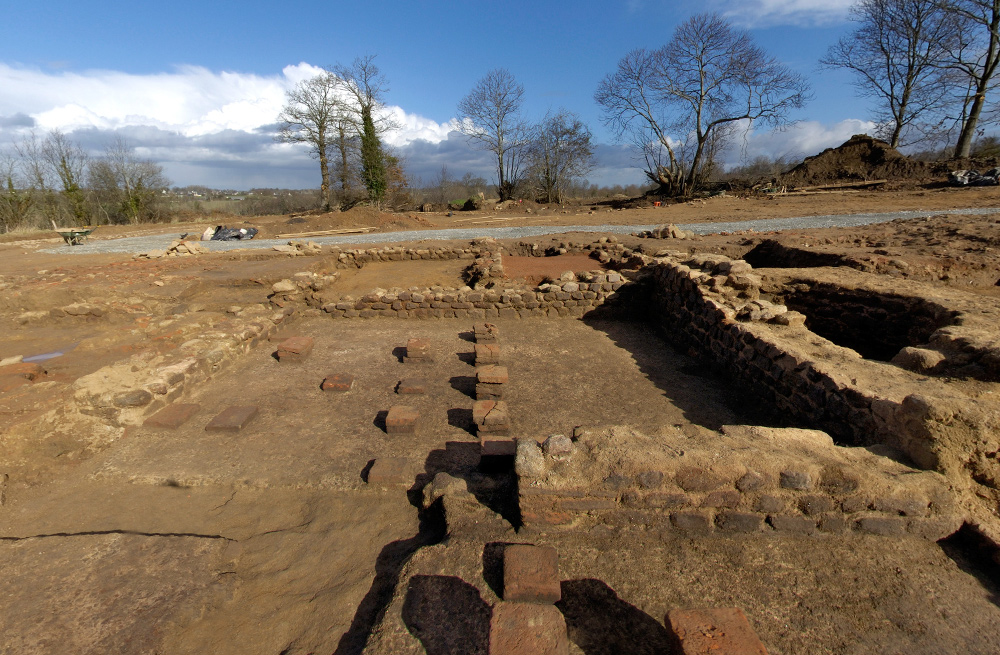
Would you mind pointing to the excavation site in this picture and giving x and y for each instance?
(588, 443)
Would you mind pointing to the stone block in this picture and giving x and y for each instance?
(232, 419)
(725, 631)
(903, 505)
(814, 505)
(739, 522)
(724, 498)
(390, 471)
(667, 500)
(769, 504)
(531, 574)
(487, 353)
(412, 386)
(339, 382)
(797, 480)
(882, 525)
(172, 416)
(796, 524)
(693, 522)
(485, 332)
(693, 478)
(294, 349)
(528, 629)
(401, 419)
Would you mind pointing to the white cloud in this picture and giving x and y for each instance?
(801, 140)
(768, 13)
(192, 101)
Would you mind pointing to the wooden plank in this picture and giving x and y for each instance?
(843, 185)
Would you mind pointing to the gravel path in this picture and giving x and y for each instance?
(162, 241)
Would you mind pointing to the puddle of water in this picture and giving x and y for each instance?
(49, 355)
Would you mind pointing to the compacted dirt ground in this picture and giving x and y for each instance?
(269, 540)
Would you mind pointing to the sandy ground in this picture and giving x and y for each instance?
(269, 541)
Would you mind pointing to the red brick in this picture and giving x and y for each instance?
(543, 514)
(531, 574)
(412, 386)
(587, 504)
(490, 416)
(172, 416)
(390, 470)
(295, 349)
(492, 374)
(232, 419)
(493, 447)
(489, 391)
(402, 419)
(719, 631)
(485, 332)
(338, 382)
(418, 350)
(487, 353)
(527, 629)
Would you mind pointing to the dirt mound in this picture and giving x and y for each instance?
(860, 159)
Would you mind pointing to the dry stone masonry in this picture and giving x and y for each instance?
(746, 480)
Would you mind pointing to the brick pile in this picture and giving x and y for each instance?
(526, 622)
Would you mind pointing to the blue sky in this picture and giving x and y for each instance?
(196, 85)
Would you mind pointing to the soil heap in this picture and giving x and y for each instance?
(860, 158)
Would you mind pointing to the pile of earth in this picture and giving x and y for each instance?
(860, 159)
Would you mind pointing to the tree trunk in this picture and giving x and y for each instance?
(324, 186)
(964, 146)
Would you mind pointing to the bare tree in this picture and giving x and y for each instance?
(68, 162)
(16, 192)
(365, 87)
(560, 150)
(126, 186)
(680, 102)
(490, 116)
(310, 115)
(895, 55)
(38, 176)
(974, 54)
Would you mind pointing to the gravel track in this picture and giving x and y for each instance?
(162, 241)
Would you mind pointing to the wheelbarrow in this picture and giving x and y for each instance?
(74, 236)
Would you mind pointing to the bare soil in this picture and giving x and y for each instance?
(269, 540)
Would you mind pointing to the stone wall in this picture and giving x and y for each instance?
(724, 318)
(124, 393)
(490, 296)
(747, 480)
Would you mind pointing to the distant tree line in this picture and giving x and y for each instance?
(50, 179)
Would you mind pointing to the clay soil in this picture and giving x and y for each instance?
(269, 540)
